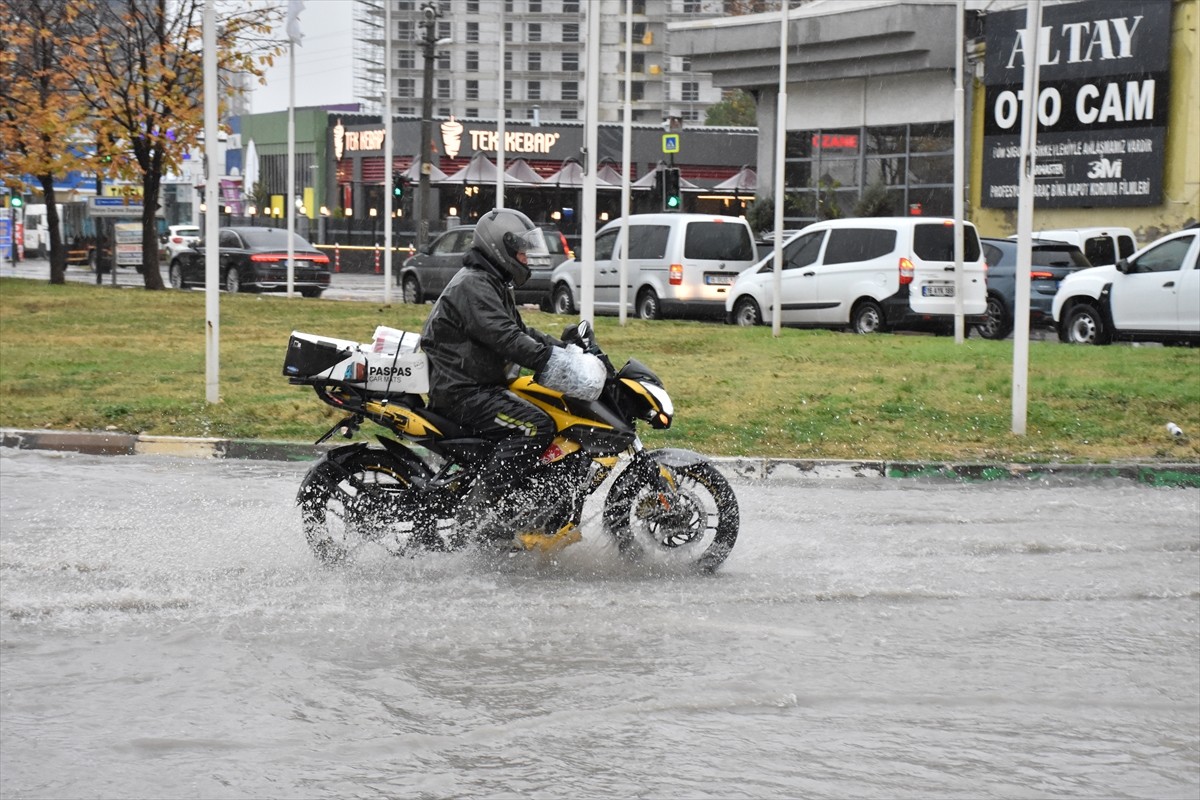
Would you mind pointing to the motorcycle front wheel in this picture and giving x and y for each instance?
(688, 519)
(364, 504)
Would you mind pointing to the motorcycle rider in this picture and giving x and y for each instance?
(476, 341)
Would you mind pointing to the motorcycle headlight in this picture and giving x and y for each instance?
(659, 417)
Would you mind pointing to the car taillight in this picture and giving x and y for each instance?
(320, 259)
(1041, 276)
(906, 270)
(176, 240)
(266, 257)
(676, 274)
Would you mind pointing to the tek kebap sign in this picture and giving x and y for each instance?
(1102, 104)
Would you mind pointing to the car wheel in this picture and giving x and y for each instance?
(1083, 325)
(233, 281)
(411, 290)
(647, 305)
(563, 304)
(867, 317)
(746, 312)
(176, 276)
(311, 292)
(997, 323)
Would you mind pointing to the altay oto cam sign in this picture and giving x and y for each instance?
(1104, 69)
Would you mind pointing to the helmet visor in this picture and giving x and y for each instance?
(531, 242)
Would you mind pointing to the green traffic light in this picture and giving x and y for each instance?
(18, 201)
(673, 201)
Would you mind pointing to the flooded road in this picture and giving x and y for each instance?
(165, 633)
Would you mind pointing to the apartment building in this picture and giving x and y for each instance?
(543, 59)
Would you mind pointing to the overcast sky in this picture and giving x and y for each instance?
(324, 61)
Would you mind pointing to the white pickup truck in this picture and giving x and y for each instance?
(1154, 295)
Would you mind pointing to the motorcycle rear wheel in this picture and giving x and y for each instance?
(696, 524)
(370, 509)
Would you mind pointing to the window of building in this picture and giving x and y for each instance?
(472, 90)
(639, 31)
(472, 6)
(443, 61)
(406, 87)
(443, 89)
(570, 62)
(508, 90)
(535, 6)
(404, 30)
(691, 115)
(472, 31)
(570, 90)
(533, 90)
(471, 113)
(508, 59)
(570, 6)
(406, 111)
(637, 63)
(472, 61)
(406, 59)
(508, 32)
(406, 5)
(689, 92)
(535, 62)
(570, 32)
(534, 32)
(568, 113)
(443, 111)
(691, 6)
(637, 90)
(508, 6)
(685, 64)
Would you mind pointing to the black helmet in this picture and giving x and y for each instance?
(502, 233)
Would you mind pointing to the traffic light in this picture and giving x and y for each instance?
(397, 185)
(17, 201)
(672, 199)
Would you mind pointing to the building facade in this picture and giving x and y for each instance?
(870, 108)
(543, 60)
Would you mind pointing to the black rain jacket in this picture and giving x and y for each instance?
(475, 335)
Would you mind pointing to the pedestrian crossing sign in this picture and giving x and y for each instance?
(670, 142)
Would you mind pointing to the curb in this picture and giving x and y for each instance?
(748, 469)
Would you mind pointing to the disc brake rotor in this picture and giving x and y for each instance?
(673, 520)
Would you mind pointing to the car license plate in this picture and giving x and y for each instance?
(937, 291)
(718, 279)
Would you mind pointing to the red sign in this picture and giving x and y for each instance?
(835, 141)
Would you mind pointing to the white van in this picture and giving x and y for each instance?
(869, 274)
(37, 230)
(1104, 247)
(679, 265)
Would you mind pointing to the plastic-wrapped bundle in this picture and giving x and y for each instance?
(573, 372)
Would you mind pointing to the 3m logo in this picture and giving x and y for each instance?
(1103, 168)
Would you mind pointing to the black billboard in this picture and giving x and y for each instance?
(1103, 90)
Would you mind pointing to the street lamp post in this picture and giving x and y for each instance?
(429, 41)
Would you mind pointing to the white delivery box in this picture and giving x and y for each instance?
(391, 364)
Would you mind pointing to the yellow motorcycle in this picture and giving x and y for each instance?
(669, 506)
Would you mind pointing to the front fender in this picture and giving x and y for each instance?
(676, 457)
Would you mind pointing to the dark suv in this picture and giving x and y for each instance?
(425, 275)
(1050, 262)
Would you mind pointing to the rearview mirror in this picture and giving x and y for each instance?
(1124, 267)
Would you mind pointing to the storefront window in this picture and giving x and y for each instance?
(887, 170)
(931, 169)
(885, 140)
(933, 138)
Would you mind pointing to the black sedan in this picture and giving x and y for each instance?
(1050, 262)
(255, 260)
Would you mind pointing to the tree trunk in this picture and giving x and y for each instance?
(58, 251)
(151, 273)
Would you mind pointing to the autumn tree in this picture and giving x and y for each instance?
(736, 108)
(139, 66)
(42, 119)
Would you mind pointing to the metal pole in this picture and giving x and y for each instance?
(212, 320)
(626, 145)
(591, 123)
(959, 177)
(291, 176)
(501, 114)
(422, 205)
(780, 138)
(1029, 110)
(389, 153)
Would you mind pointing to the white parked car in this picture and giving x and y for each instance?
(679, 265)
(869, 274)
(177, 239)
(1101, 246)
(1152, 296)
